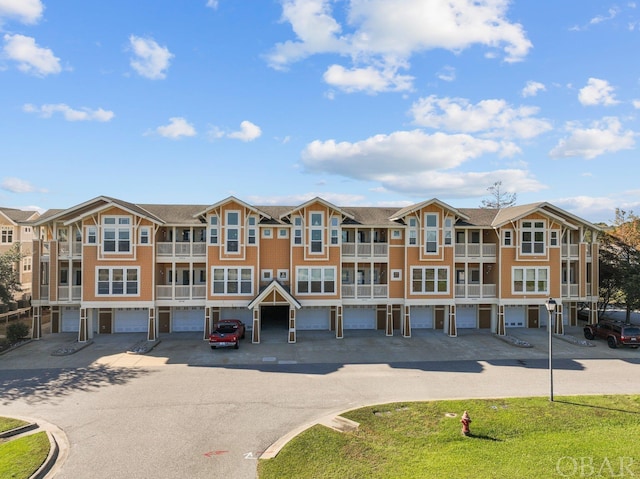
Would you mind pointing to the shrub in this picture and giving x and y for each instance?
(17, 331)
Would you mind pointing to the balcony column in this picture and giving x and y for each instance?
(500, 327)
(339, 323)
(558, 326)
(452, 329)
(406, 322)
(36, 325)
(255, 333)
(292, 324)
(389, 321)
(83, 331)
(153, 325)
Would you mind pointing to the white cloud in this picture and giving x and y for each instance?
(83, 114)
(368, 79)
(212, 4)
(25, 11)
(151, 60)
(491, 118)
(386, 34)
(605, 136)
(532, 88)
(447, 73)
(31, 58)
(16, 185)
(636, 104)
(248, 132)
(597, 92)
(177, 128)
(382, 156)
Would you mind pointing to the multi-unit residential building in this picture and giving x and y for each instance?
(16, 229)
(109, 266)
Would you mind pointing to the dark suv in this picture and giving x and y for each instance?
(615, 332)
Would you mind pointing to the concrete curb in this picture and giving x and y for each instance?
(51, 459)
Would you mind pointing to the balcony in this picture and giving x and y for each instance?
(66, 249)
(182, 250)
(476, 250)
(365, 250)
(570, 290)
(472, 291)
(181, 292)
(365, 291)
(571, 251)
(68, 293)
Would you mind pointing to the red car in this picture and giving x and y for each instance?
(227, 332)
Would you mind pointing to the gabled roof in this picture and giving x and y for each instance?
(231, 199)
(317, 199)
(16, 216)
(272, 287)
(514, 213)
(407, 210)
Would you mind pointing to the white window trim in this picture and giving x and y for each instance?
(323, 269)
(283, 233)
(267, 233)
(396, 275)
(533, 230)
(266, 275)
(228, 228)
(226, 280)
(435, 292)
(313, 228)
(124, 288)
(524, 291)
(506, 233)
(148, 230)
(283, 275)
(117, 226)
(214, 226)
(431, 229)
(298, 229)
(396, 234)
(91, 231)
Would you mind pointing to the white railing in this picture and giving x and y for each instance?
(66, 293)
(365, 291)
(475, 291)
(365, 250)
(476, 250)
(181, 292)
(570, 290)
(66, 248)
(572, 250)
(182, 249)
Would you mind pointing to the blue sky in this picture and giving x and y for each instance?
(361, 102)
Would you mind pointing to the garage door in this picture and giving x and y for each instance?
(514, 316)
(421, 317)
(131, 320)
(70, 320)
(359, 318)
(188, 319)
(466, 315)
(243, 314)
(313, 319)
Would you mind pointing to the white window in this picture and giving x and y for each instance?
(317, 231)
(429, 280)
(266, 274)
(413, 231)
(396, 234)
(118, 281)
(530, 280)
(232, 280)
(316, 280)
(116, 234)
(448, 231)
(335, 224)
(145, 235)
(396, 275)
(533, 237)
(6, 234)
(267, 233)
(553, 238)
(92, 234)
(26, 264)
(297, 231)
(232, 232)
(507, 238)
(283, 232)
(431, 232)
(251, 233)
(213, 229)
(283, 275)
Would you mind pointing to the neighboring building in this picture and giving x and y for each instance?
(108, 266)
(16, 228)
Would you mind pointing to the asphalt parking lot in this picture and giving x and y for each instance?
(183, 410)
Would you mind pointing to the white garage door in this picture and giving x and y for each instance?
(243, 314)
(466, 315)
(421, 317)
(131, 320)
(70, 320)
(359, 318)
(188, 319)
(515, 316)
(313, 319)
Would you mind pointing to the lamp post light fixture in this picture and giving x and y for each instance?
(551, 308)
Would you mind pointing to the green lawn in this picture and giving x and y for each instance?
(578, 436)
(20, 458)
(9, 423)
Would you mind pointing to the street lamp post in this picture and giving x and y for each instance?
(551, 308)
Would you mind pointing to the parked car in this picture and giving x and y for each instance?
(227, 332)
(616, 333)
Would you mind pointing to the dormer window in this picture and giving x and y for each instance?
(533, 237)
(233, 233)
(317, 231)
(116, 234)
(431, 233)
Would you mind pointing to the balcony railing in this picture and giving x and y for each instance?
(365, 291)
(69, 293)
(181, 292)
(69, 249)
(475, 290)
(475, 250)
(570, 251)
(365, 250)
(570, 290)
(182, 249)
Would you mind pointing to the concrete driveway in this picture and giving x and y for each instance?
(183, 410)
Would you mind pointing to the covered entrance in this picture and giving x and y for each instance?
(274, 309)
(274, 317)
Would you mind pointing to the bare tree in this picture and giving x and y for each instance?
(499, 197)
